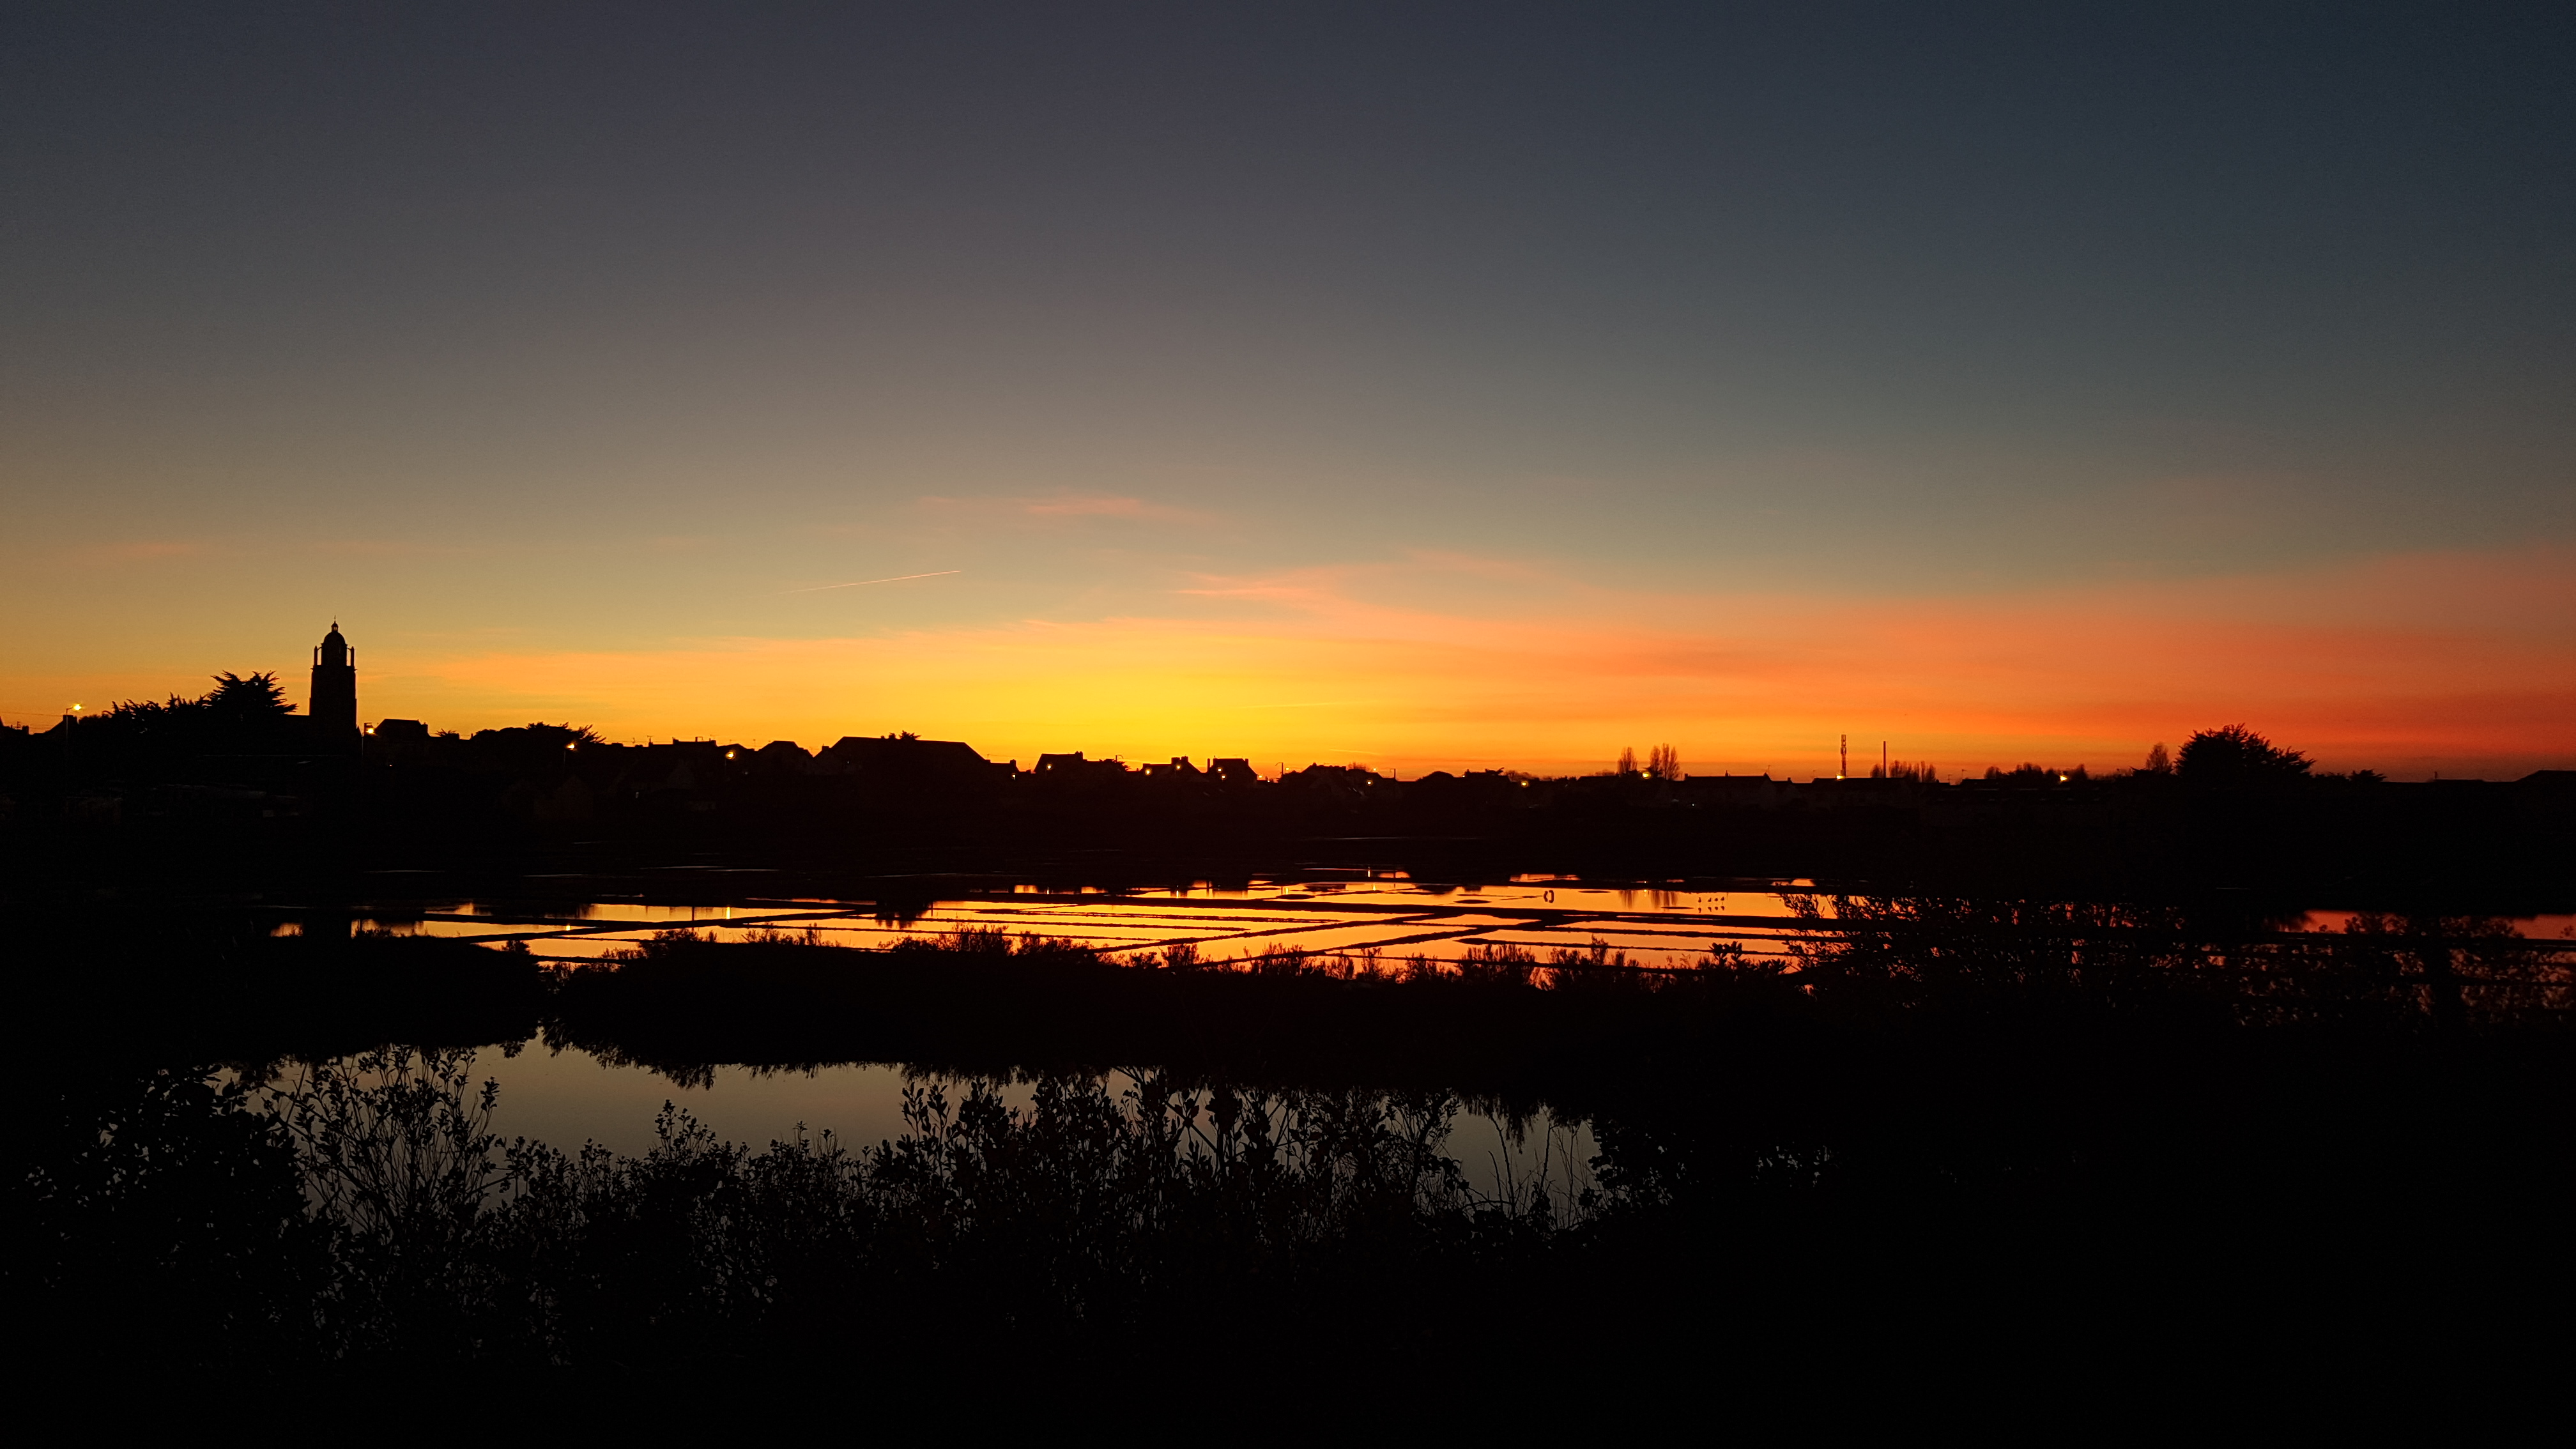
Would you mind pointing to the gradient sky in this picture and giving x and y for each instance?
(1417, 385)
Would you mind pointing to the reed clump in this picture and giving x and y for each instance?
(393, 1224)
(2377, 968)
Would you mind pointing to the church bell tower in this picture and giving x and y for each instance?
(334, 707)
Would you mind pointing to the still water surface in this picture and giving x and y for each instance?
(1654, 926)
(566, 1097)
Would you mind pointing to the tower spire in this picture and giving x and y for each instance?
(334, 706)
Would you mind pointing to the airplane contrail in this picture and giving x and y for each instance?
(854, 583)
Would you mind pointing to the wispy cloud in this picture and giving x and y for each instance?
(379, 548)
(1067, 507)
(142, 550)
(855, 583)
(1100, 507)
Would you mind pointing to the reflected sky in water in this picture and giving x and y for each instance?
(565, 1096)
(1654, 925)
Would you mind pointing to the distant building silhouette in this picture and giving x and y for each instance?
(904, 762)
(1736, 792)
(784, 755)
(1072, 770)
(334, 704)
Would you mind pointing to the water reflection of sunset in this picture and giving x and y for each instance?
(1368, 924)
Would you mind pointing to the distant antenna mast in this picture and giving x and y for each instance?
(1845, 769)
(1882, 759)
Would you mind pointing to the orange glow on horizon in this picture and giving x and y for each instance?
(2462, 663)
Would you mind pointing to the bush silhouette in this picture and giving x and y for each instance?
(2235, 755)
(257, 696)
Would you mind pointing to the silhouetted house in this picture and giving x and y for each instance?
(1478, 789)
(1072, 771)
(1339, 784)
(2548, 798)
(567, 799)
(677, 778)
(1734, 792)
(1857, 792)
(1438, 790)
(901, 766)
(1179, 769)
(685, 764)
(1233, 772)
(397, 742)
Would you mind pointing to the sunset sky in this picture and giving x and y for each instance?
(1423, 386)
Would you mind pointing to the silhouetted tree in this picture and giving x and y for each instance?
(535, 749)
(257, 697)
(2235, 755)
(171, 725)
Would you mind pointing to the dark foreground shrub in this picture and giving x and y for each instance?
(362, 1211)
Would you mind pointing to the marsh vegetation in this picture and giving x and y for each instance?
(263, 1152)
